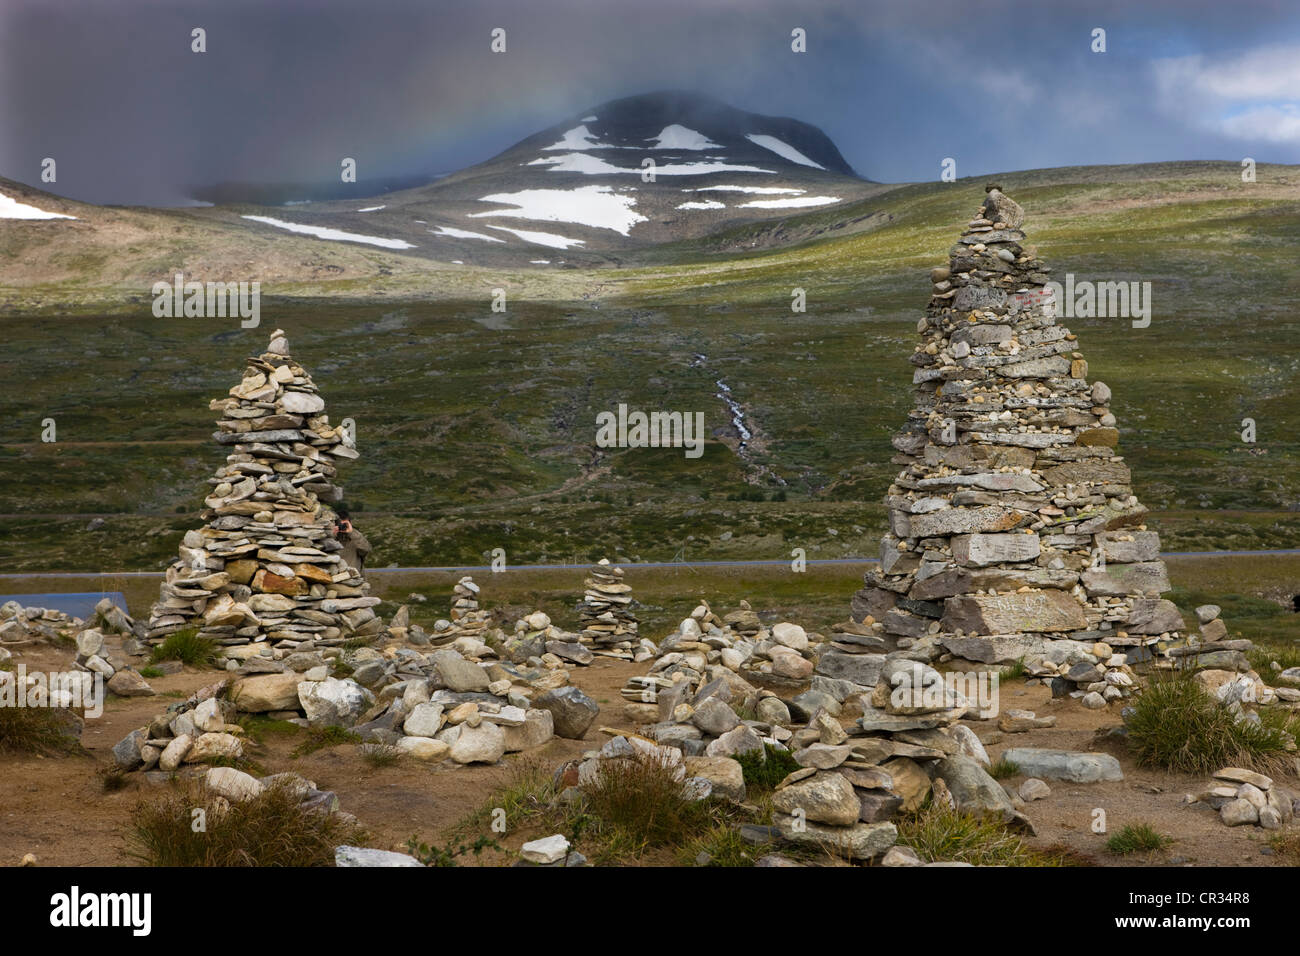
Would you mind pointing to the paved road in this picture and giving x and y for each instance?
(647, 564)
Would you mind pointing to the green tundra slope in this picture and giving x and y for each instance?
(477, 428)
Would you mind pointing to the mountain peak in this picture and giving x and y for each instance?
(666, 119)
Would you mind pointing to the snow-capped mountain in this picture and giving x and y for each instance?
(590, 190)
(625, 174)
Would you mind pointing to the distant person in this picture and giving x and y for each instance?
(355, 546)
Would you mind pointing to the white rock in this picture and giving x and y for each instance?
(233, 784)
(550, 849)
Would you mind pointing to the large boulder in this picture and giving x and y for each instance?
(333, 702)
(972, 789)
(459, 674)
(822, 798)
(538, 727)
(266, 692)
(483, 743)
(861, 841)
(571, 710)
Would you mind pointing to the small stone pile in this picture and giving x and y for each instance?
(1210, 647)
(18, 623)
(1013, 523)
(266, 565)
(444, 705)
(687, 704)
(466, 616)
(24, 625)
(781, 656)
(539, 642)
(1244, 797)
(198, 729)
(605, 614)
(430, 706)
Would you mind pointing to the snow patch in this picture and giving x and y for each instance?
(542, 238)
(681, 137)
(463, 234)
(593, 166)
(794, 202)
(784, 150)
(579, 138)
(539, 262)
(13, 209)
(596, 206)
(762, 190)
(321, 232)
(588, 119)
(707, 204)
(371, 209)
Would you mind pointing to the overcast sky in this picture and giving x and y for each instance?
(112, 91)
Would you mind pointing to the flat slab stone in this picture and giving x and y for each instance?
(366, 857)
(1064, 765)
(1033, 611)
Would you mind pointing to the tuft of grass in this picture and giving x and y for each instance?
(1003, 769)
(378, 756)
(1176, 724)
(149, 673)
(640, 803)
(44, 731)
(112, 778)
(318, 738)
(1286, 844)
(763, 771)
(720, 846)
(525, 796)
(187, 647)
(1016, 669)
(271, 829)
(257, 727)
(939, 833)
(1137, 838)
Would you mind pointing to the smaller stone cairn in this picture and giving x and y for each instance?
(605, 614)
(24, 625)
(455, 702)
(466, 616)
(1242, 797)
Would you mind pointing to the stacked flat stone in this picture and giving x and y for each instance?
(1013, 522)
(466, 616)
(266, 565)
(605, 613)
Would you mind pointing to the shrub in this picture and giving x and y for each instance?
(271, 829)
(187, 647)
(1176, 724)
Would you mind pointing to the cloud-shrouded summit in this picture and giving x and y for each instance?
(286, 91)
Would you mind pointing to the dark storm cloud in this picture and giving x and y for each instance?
(289, 88)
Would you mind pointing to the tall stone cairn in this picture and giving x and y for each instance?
(266, 565)
(605, 613)
(1013, 522)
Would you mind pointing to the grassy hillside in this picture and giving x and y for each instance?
(477, 429)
